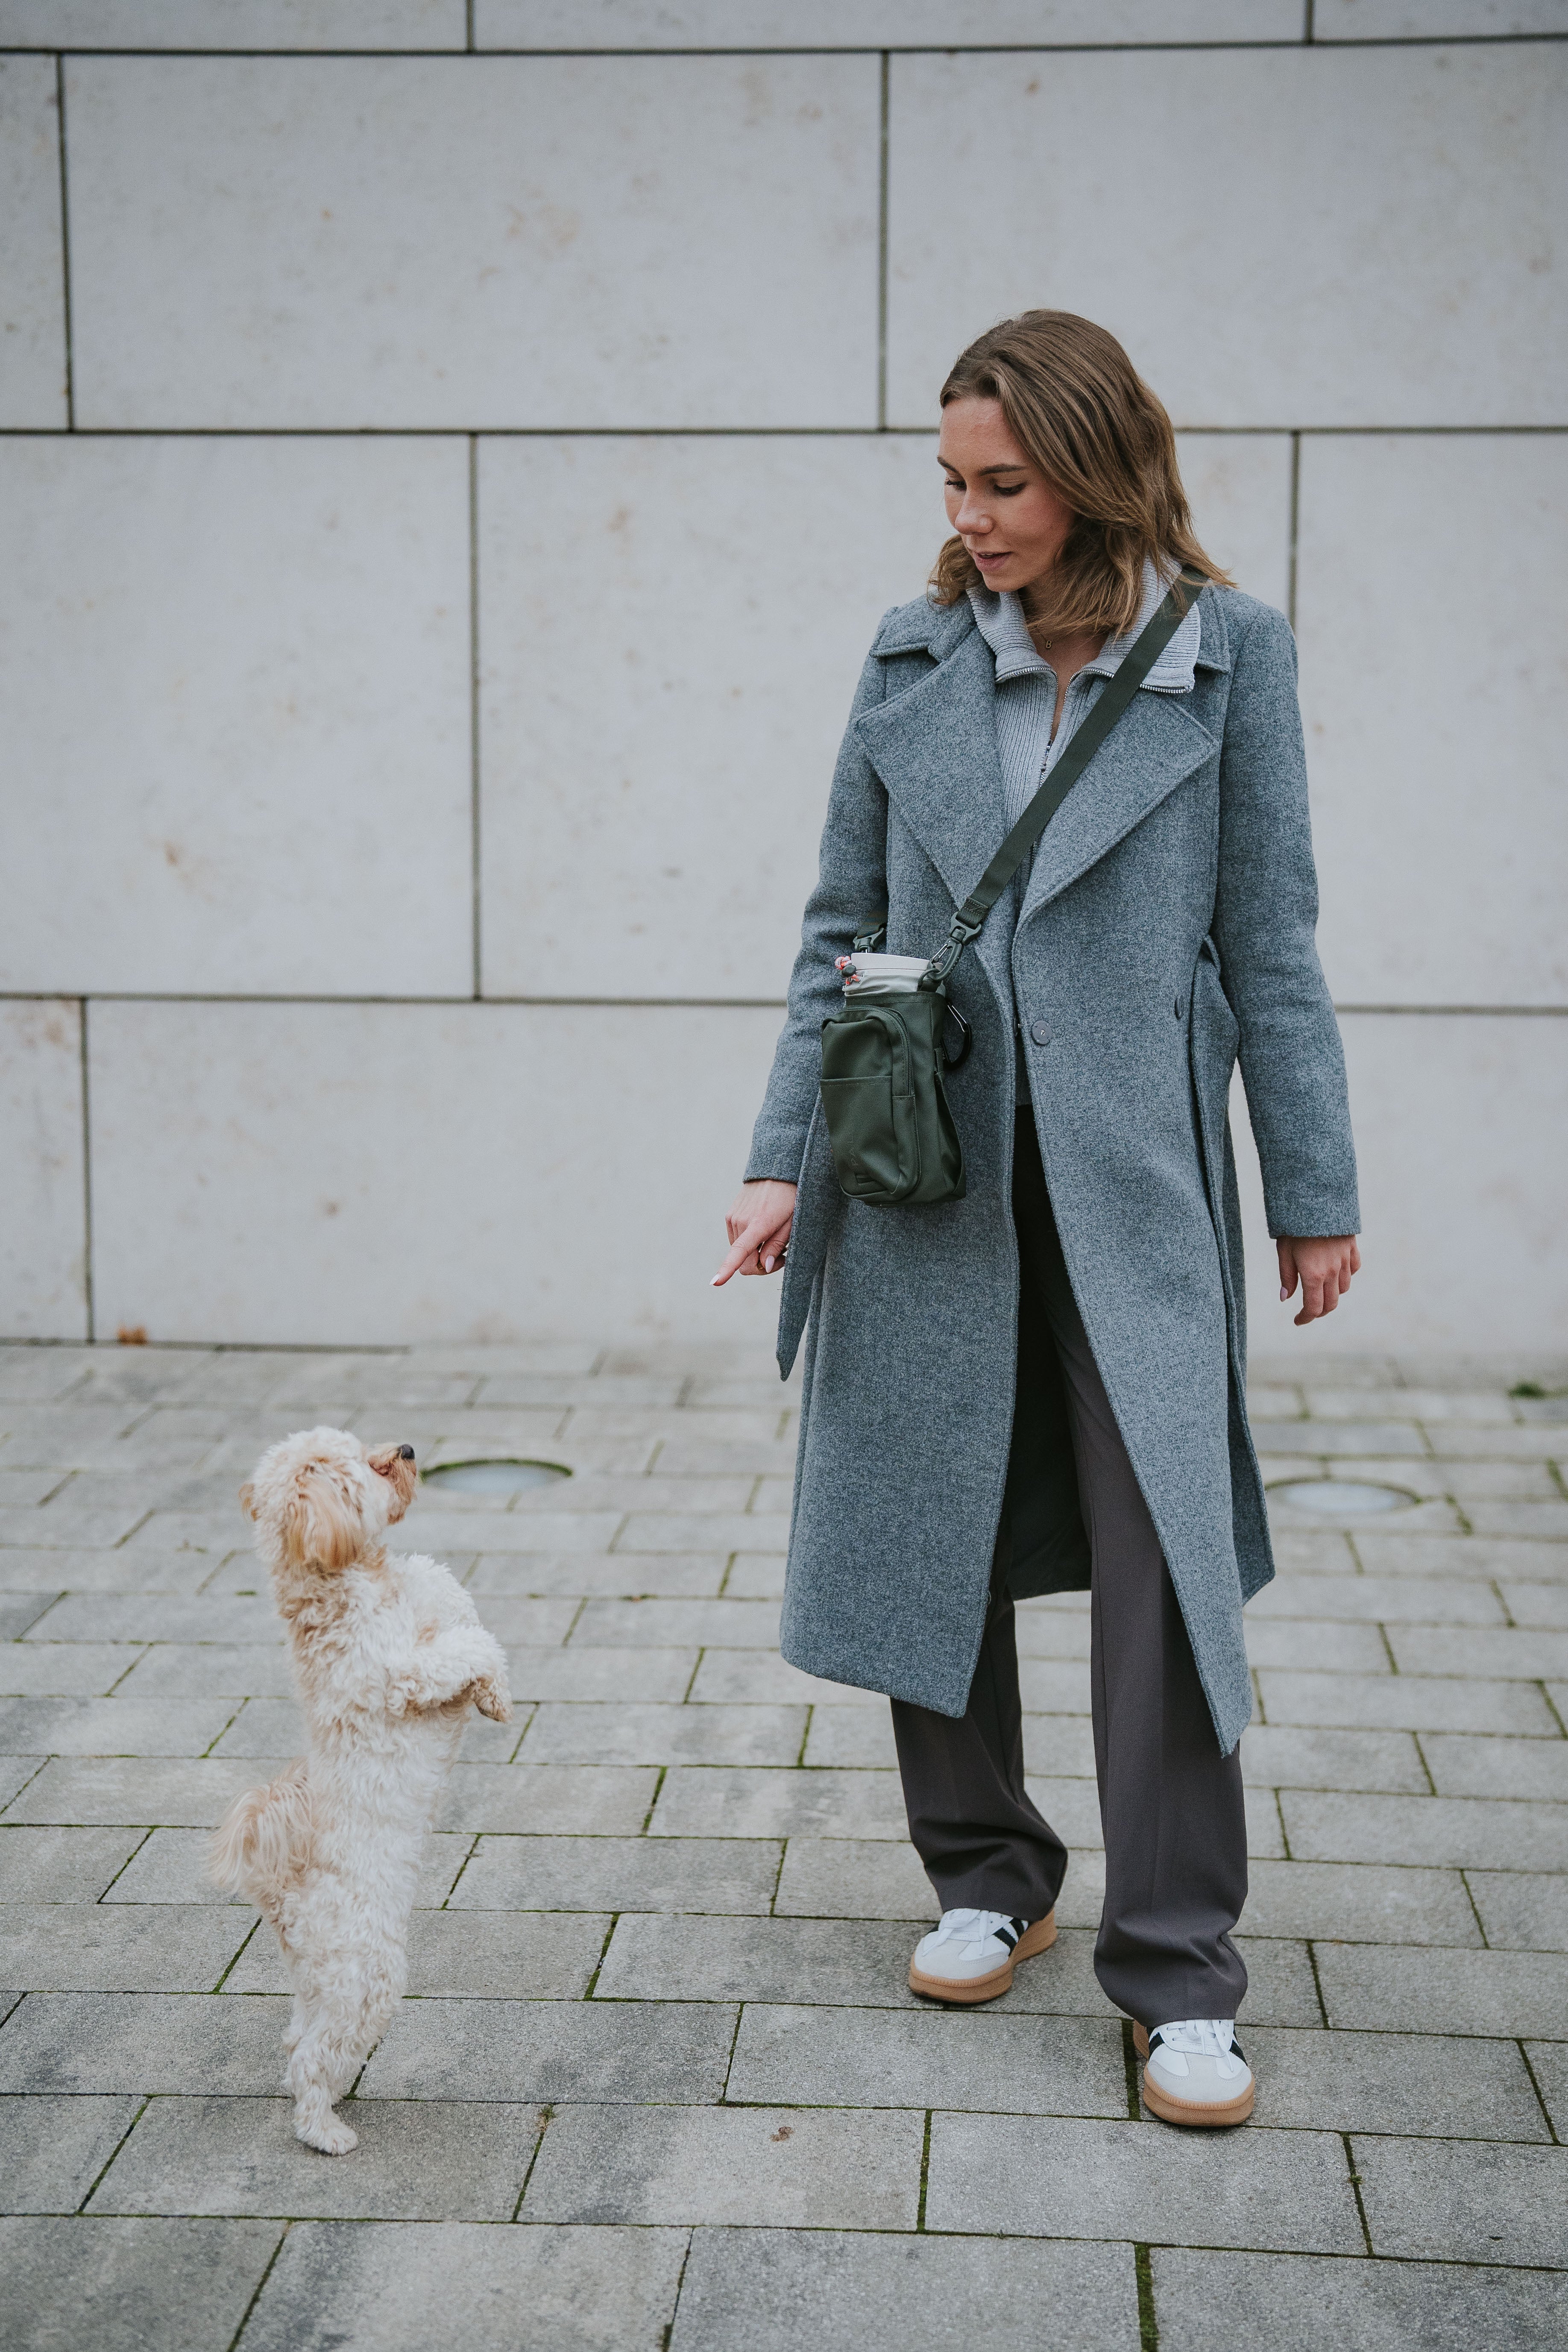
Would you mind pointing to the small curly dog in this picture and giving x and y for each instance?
(388, 1655)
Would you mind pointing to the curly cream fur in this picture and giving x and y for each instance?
(388, 1655)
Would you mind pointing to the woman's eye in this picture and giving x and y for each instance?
(1004, 493)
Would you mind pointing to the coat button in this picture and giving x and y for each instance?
(1039, 1033)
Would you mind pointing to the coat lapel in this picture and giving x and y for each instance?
(1155, 745)
(935, 749)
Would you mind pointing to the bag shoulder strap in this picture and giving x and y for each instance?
(1085, 741)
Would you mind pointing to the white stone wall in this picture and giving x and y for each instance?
(452, 459)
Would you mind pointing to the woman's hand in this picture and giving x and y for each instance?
(1323, 1267)
(759, 1226)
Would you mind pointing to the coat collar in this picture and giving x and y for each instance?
(924, 627)
(935, 749)
(1001, 622)
(1201, 643)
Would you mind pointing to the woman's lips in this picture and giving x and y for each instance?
(1005, 556)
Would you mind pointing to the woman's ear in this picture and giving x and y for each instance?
(247, 1499)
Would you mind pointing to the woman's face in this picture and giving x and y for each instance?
(1012, 522)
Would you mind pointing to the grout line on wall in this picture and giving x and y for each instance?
(723, 431)
(654, 1003)
(882, 252)
(1471, 1012)
(1295, 528)
(475, 876)
(1309, 30)
(903, 49)
(64, 242)
(86, 1180)
(469, 27)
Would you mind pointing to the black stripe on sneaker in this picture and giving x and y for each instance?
(1009, 1935)
(1237, 2051)
(1156, 2042)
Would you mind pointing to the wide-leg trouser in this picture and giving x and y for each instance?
(1171, 1804)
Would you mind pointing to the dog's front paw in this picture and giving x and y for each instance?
(492, 1699)
(331, 2134)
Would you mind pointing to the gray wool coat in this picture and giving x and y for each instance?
(1166, 929)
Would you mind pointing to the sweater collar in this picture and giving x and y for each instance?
(999, 617)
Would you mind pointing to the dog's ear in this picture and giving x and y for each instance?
(247, 1499)
(321, 1528)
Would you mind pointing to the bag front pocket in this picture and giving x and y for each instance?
(866, 1101)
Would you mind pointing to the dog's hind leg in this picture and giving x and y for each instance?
(320, 2071)
(339, 2031)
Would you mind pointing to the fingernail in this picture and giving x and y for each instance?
(1283, 1291)
(767, 1265)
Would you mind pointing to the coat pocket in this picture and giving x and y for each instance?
(1214, 1037)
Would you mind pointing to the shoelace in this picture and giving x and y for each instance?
(1200, 2037)
(970, 1926)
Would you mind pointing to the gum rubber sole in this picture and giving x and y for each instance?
(1209, 2113)
(962, 1992)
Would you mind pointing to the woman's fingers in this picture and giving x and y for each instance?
(1323, 1269)
(1319, 1296)
(773, 1248)
(757, 1248)
(740, 1250)
(757, 1227)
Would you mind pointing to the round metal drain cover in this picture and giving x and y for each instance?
(494, 1477)
(1340, 1498)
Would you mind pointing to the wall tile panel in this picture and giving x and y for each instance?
(1434, 676)
(32, 268)
(43, 1251)
(873, 23)
(671, 633)
(235, 675)
(1238, 486)
(656, 762)
(386, 1173)
(1372, 239)
(505, 242)
(1461, 1127)
(233, 23)
(1435, 20)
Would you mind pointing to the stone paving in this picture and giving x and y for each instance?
(658, 2082)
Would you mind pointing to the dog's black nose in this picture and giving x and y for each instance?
(405, 1454)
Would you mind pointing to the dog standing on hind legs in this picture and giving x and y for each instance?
(388, 1655)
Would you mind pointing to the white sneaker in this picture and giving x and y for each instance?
(1193, 2072)
(972, 1955)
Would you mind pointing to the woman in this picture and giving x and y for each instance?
(1041, 1385)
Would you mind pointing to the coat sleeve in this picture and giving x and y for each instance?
(851, 884)
(1265, 911)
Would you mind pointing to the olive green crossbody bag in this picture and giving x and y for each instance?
(885, 1055)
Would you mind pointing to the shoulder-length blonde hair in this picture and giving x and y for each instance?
(1080, 413)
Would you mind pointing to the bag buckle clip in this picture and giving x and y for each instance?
(946, 956)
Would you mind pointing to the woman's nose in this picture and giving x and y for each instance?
(971, 518)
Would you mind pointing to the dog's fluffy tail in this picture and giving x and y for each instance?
(263, 1846)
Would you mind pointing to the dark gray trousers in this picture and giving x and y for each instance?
(1171, 1804)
